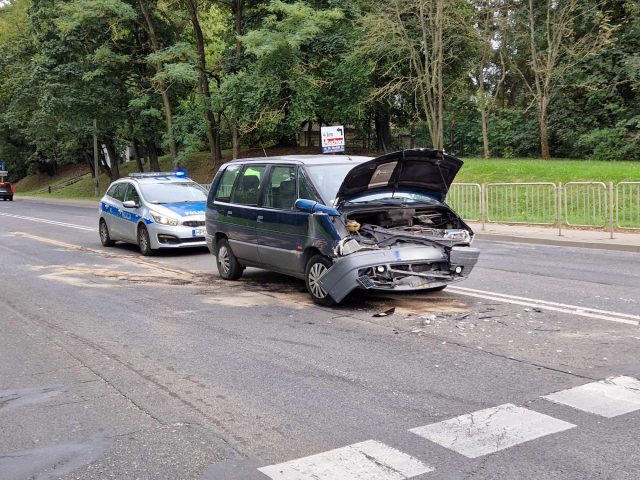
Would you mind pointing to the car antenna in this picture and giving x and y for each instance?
(265, 152)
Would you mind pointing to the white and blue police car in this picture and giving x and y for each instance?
(154, 210)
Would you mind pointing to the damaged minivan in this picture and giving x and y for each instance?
(341, 222)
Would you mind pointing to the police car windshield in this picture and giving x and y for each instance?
(182, 192)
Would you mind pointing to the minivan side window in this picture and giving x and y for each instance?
(281, 188)
(307, 190)
(247, 187)
(223, 193)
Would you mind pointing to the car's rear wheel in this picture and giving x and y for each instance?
(228, 265)
(105, 238)
(316, 268)
(144, 241)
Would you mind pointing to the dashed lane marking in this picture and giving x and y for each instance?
(491, 430)
(582, 311)
(370, 460)
(608, 398)
(51, 222)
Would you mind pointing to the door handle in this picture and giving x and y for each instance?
(229, 212)
(260, 218)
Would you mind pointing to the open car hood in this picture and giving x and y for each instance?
(419, 170)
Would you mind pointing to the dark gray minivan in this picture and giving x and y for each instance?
(341, 222)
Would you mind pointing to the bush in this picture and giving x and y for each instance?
(609, 144)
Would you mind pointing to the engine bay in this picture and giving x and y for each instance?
(385, 228)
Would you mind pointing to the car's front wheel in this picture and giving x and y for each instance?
(316, 268)
(228, 265)
(105, 238)
(144, 241)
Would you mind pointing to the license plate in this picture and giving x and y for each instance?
(198, 232)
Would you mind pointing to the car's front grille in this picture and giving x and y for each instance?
(193, 223)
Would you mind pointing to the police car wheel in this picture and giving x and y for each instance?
(105, 238)
(316, 267)
(228, 265)
(144, 242)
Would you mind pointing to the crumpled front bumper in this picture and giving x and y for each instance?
(344, 275)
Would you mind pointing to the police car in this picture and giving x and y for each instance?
(154, 210)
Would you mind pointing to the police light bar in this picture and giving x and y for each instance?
(178, 173)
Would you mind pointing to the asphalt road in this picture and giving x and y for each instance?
(118, 366)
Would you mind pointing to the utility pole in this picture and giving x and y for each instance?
(95, 156)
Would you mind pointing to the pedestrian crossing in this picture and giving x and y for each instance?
(472, 435)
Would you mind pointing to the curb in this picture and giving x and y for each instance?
(561, 243)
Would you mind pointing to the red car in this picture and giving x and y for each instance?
(6, 191)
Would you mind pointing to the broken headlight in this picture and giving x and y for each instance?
(457, 235)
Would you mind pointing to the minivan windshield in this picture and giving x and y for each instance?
(328, 178)
(178, 192)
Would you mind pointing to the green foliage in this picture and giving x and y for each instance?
(66, 62)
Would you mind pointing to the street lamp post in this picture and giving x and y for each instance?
(95, 156)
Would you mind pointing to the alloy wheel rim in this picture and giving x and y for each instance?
(103, 232)
(315, 273)
(143, 240)
(223, 260)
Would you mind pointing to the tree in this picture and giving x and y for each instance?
(555, 48)
(417, 42)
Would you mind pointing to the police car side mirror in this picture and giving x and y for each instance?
(130, 204)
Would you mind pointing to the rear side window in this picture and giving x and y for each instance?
(247, 187)
(223, 193)
(281, 188)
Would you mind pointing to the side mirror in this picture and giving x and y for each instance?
(130, 204)
(311, 206)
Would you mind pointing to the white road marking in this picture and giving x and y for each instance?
(626, 318)
(51, 222)
(608, 398)
(491, 430)
(370, 460)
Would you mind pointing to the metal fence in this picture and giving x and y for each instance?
(628, 205)
(577, 204)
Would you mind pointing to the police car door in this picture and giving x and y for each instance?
(130, 216)
(114, 211)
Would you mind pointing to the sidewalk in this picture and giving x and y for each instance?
(629, 242)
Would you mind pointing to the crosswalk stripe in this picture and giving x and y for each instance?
(491, 430)
(607, 398)
(370, 460)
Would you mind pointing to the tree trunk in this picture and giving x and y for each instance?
(235, 140)
(152, 151)
(114, 161)
(544, 135)
(235, 131)
(383, 128)
(203, 83)
(485, 133)
(166, 100)
(137, 156)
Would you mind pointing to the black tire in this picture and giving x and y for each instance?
(11, 199)
(437, 289)
(316, 266)
(144, 241)
(105, 238)
(228, 265)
